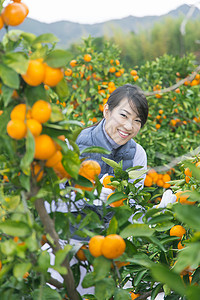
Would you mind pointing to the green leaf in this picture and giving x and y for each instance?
(160, 218)
(139, 277)
(45, 38)
(136, 174)
(62, 89)
(116, 197)
(164, 275)
(188, 214)
(45, 293)
(104, 289)
(141, 259)
(61, 255)
(7, 94)
(8, 247)
(28, 37)
(57, 58)
(29, 155)
(195, 171)
(121, 295)
(20, 269)
(17, 61)
(113, 226)
(44, 261)
(137, 230)
(71, 163)
(193, 292)
(9, 76)
(88, 280)
(15, 228)
(111, 163)
(102, 267)
(95, 150)
(155, 241)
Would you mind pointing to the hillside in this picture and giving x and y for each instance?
(71, 32)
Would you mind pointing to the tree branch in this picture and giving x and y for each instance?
(175, 86)
(50, 229)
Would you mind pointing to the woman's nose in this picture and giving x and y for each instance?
(128, 125)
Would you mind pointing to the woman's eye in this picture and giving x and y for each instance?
(123, 115)
(139, 121)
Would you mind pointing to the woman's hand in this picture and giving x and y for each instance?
(167, 197)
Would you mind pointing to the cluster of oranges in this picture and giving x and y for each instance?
(134, 74)
(39, 72)
(112, 246)
(160, 180)
(13, 14)
(115, 68)
(188, 173)
(105, 90)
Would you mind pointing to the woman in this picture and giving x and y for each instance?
(125, 113)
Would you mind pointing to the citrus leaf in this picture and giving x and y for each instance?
(111, 163)
(95, 150)
(115, 197)
(104, 289)
(57, 58)
(9, 76)
(17, 61)
(29, 155)
(188, 215)
(20, 269)
(15, 228)
(137, 230)
(45, 38)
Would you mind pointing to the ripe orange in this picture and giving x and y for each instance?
(34, 126)
(116, 203)
(180, 246)
(52, 76)
(68, 72)
(113, 246)
(89, 169)
(87, 57)
(112, 70)
(166, 178)
(148, 181)
(25, 7)
(37, 171)
(16, 129)
(35, 73)
(158, 126)
(188, 172)
(177, 230)
(95, 245)
(53, 160)
(1, 22)
(18, 112)
(80, 253)
(0, 265)
(107, 180)
(134, 296)
(133, 72)
(41, 111)
(73, 63)
(14, 14)
(60, 171)
(44, 147)
(182, 198)
(118, 74)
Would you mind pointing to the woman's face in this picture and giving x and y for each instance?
(122, 123)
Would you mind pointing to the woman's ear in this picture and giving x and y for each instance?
(105, 111)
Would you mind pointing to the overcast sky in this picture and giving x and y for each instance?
(91, 11)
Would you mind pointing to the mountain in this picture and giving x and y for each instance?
(71, 32)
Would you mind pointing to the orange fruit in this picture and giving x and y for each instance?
(113, 246)
(1, 111)
(89, 169)
(80, 253)
(54, 159)
(73, 63)
(52, 76)
(148, 181)
(188, 172)
(87, 57)
(135, 77)
(158, 126)
(14, 14)
(60, 171)
(18, 112)
(107, 180)
(134, 296)
(25, 7)
(112, 69)
(35, 73)
(133, 72)
(1, 23)
(37, 171)
(16, 129)
(116, 203)
(166, 178)
(95, 245)
(177, 230)
(34, 126)
(180, 246)
(41, 111)
(44, 147)
(68, 72)
(118, 74)
(0, 265)
(182, 198)
(197, 164)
